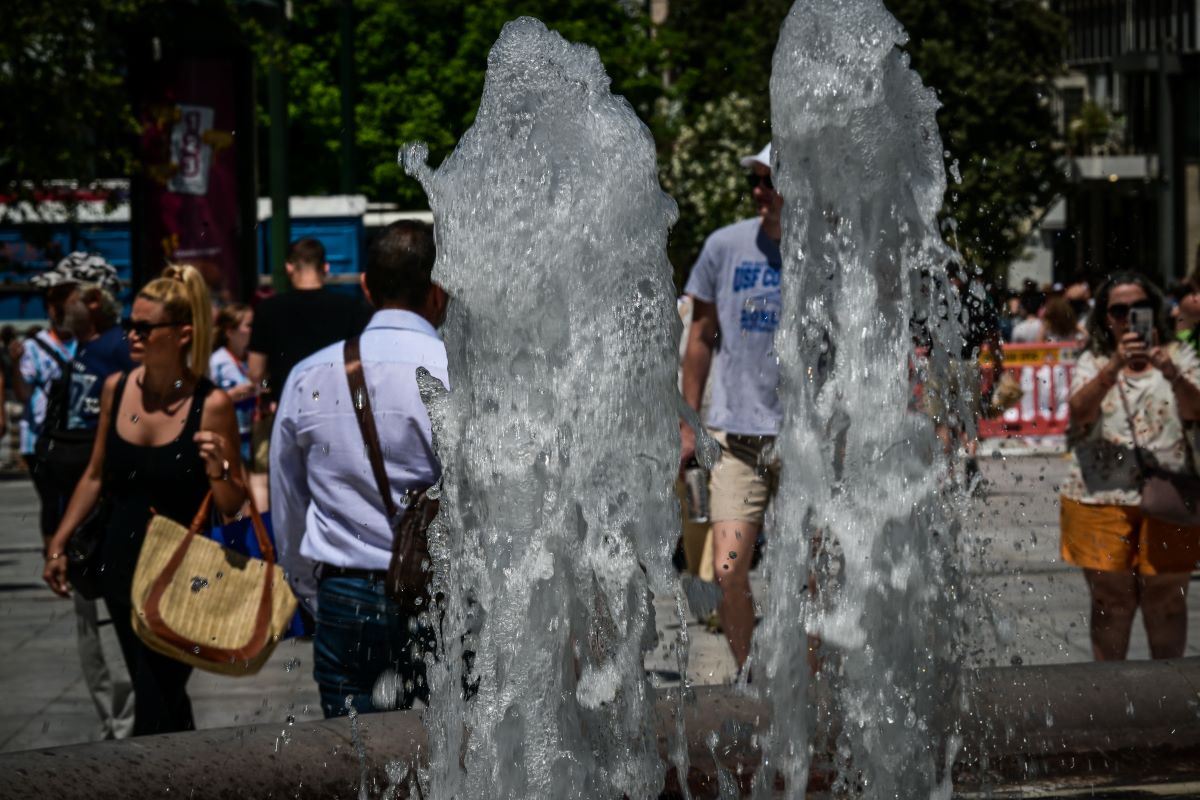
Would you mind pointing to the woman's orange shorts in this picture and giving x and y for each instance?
(1122, 539)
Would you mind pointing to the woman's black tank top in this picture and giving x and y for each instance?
(169, 478)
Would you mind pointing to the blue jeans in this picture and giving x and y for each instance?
(360, 635)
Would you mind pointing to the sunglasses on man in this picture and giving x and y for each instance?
(141, 328)
(1121, 310)
(755, 180)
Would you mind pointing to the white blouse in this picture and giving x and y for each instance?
(1104, 470)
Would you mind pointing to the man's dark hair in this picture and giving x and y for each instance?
(400, 264)
(306, 254)
(1032, 302)
(1080, 276)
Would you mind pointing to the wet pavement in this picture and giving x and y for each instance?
(1038, 605)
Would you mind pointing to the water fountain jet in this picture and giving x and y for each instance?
(862, 511)
(560, 441)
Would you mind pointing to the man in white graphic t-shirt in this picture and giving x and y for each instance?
(736, 293)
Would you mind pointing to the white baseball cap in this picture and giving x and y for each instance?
(761, 157)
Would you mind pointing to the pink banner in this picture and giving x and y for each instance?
(188, 116)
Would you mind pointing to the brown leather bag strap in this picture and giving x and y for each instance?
(262, 617)
(360, 398)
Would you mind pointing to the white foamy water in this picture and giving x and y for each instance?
(858, 160)
(559, 442)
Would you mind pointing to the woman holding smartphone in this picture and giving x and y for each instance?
(1132, 376)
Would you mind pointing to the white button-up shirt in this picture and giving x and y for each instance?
(325, 506)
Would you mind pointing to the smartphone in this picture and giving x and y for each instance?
(1141, 322)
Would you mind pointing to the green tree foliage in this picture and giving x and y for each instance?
(701, 169)
(66, 109)
(700, 81)
(991, 63)
(419, 71)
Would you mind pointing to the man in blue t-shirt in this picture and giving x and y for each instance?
(100, 353)
(88, 286)
(736, 294)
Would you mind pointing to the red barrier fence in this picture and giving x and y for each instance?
(1044, 373)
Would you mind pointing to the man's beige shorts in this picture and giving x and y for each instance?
(744, 479)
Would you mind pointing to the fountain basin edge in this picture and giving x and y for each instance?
(1094, 724)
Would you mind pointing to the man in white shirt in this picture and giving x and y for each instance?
(1029, 329)
(333, 534)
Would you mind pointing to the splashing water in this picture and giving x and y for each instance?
(862, 516)
(560, 442)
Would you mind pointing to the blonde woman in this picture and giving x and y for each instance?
(166, 438)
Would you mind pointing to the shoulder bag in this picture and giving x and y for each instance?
(207, 605)
(85, 548)
(408, 574)
(1172, 497)
(85, 551)
(62, 453)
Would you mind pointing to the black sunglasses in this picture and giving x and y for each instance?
(141, 329)
(755, 180)
(1121, 310)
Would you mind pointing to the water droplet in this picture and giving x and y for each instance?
(732, 555)
(316, 395)
(199, 583)
(179, 384)
(134, 418)
(291, 664)
(358, 399)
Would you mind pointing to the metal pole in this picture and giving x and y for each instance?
(346, 87)
(278, 145)
(1166, 162)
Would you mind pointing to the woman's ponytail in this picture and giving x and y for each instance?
(184, 294)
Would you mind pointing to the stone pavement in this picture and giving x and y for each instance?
(1038, 604)
(46, 702)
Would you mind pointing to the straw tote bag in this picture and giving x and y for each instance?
(208, 605)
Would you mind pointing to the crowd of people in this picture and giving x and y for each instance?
(308, 404)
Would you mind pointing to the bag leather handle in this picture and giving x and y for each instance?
(256, 522)
(262, 618)
(360, 399)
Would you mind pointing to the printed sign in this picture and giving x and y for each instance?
(190, 156)
(190, 151)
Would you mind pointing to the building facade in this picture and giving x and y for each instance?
(1130, 112)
